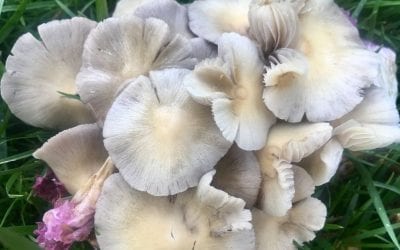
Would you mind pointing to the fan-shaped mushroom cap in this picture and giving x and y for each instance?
(74, 155)
(293, 142)
(372, 124)
(39, 71)
(278, 233)
(128, 7)
(121, 49)
(304, 185)
(171, 12)
(162, 141)
(205, 218)
(277, 191)
(273, 24)
(323, 164)
(232, 85)
(325, 80)
(238, 174)
(209, 19)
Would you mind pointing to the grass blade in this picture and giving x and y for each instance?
(378, 203)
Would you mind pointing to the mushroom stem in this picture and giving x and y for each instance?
(95, 182)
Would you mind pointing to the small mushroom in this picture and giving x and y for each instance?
(323, 164)
(171, 12)
(162, 141)
(238, 174)
(372, 124)
(324, 76)
(202, 218)
(40, 74)
(299, 225)
(74, 155)
(209, 19)
(127, 7)
(232, 85)
(273, 24)
(287, 143)
(121, 49)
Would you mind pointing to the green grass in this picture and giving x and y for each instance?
(363, 200)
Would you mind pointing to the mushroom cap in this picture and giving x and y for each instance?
(277, 191)
(232, 85)
(74, 155)
(278, 233)
(372, 124)
(47, 68)
(121, 49)
(238, 174)
(209, 19)
(357, 136)
(171, 12)
(162, 141)
(293, 142)
(205, 218)
(273, 24)
(332, 82)
(323, 164)
(304, 185)
(128, 7)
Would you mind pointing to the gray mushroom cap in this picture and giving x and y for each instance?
(238, 174)
(121, 49)
(39, 73)
(202, 218)
(162, 141)
(74, 155)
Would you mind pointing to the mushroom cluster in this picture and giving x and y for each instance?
(199, 126)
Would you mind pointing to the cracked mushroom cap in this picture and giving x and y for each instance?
(232, 85)
(162, 141)
(209, 19)
(121, 49)
(372, 124)
(238, 174)
(41, 73)
(324, 77)
(274, 24)
(299, 225)
(74, 155)
(202, 218)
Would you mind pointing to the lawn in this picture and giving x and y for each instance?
(363, 199)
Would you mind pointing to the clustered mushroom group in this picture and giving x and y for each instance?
(199, 126)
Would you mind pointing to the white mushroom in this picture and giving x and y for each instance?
(128, 7)
(171, 12)
(205, 218)
(121, 49)
(209, 19)
(299, 225)
(323, 78)
(162, 141)
(273, 24)
(74, 155)
(374, 123)
(323, 164)
(287, 143)
(176, 16)
(238, 174)
(40, 74)
(232, 85)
